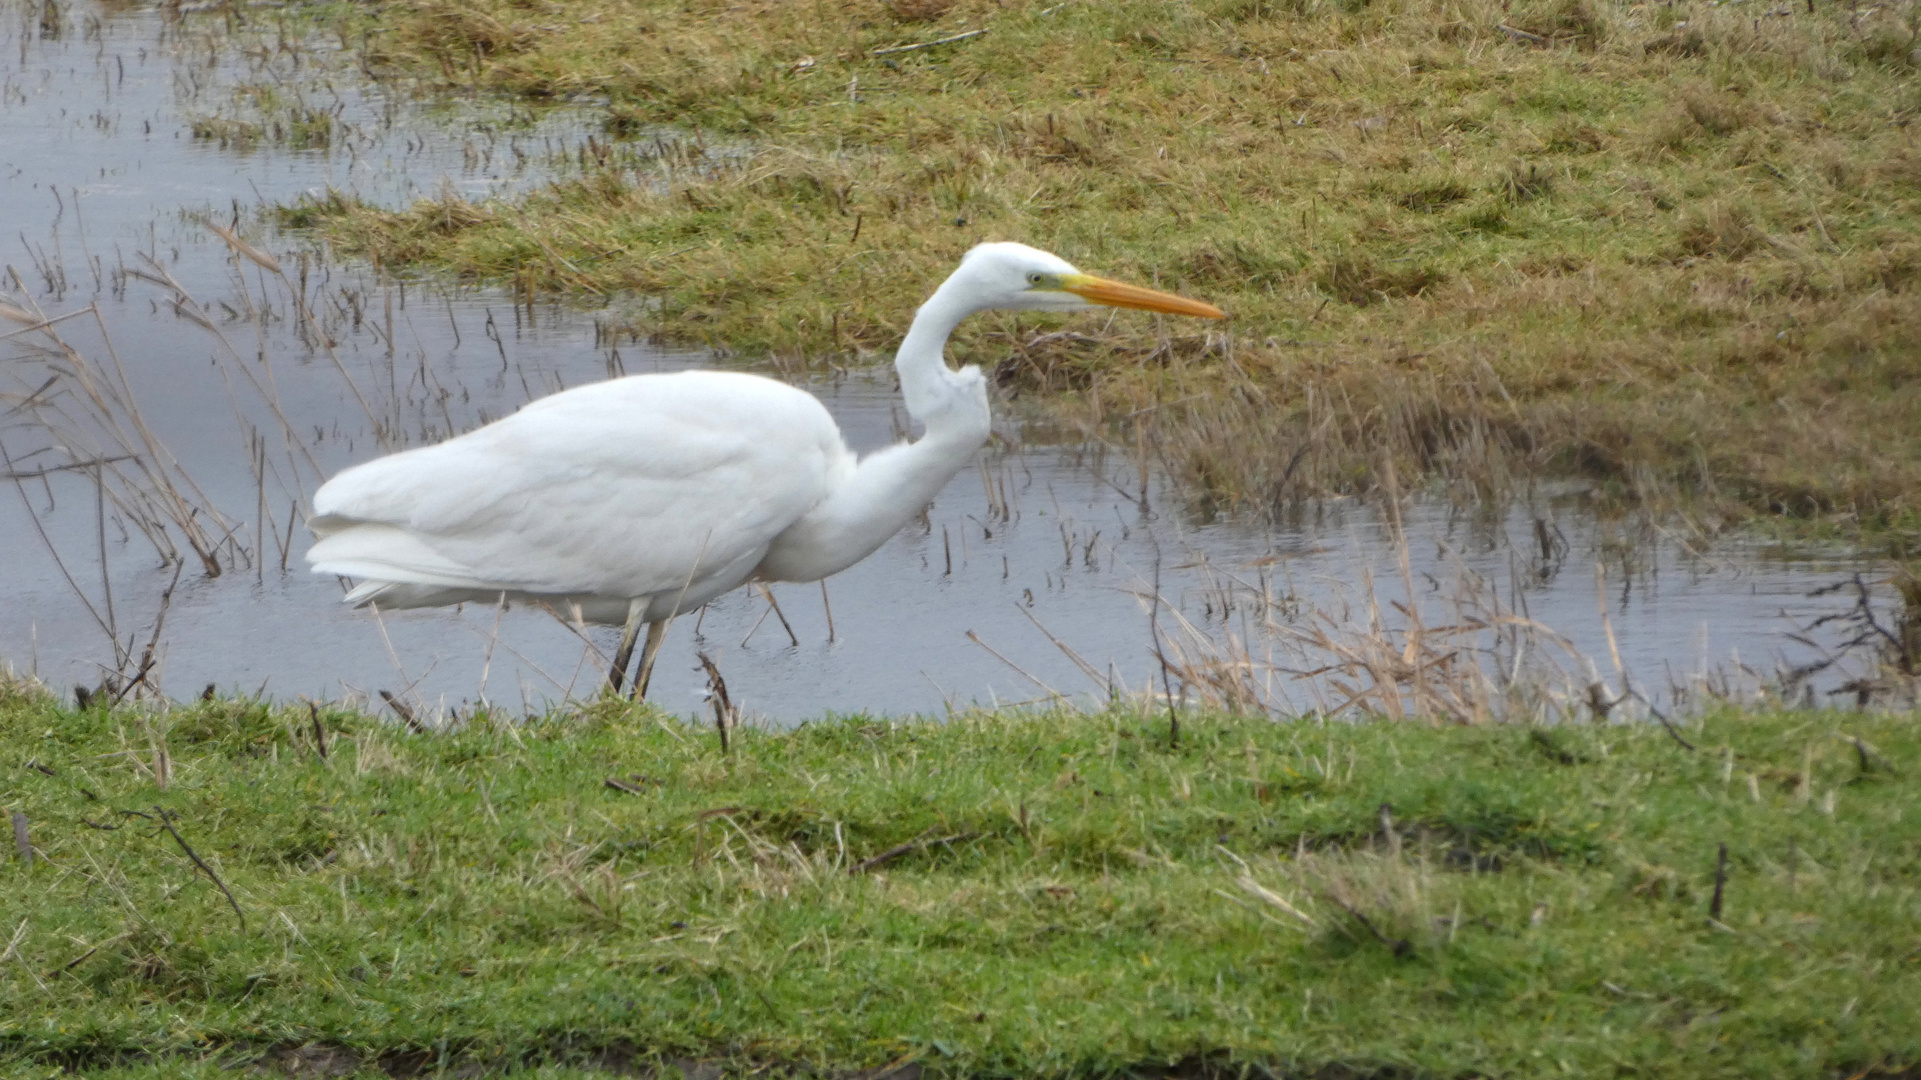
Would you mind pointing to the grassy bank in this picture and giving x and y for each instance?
(1669, 246)
(996, 896)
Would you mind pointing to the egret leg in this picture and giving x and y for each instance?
(656, 636)
(618, 673)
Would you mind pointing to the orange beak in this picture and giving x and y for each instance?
(1116, 294)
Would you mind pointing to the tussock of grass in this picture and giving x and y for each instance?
(264, 113)
(1075, 898)
(301, 131)
(1674, 247)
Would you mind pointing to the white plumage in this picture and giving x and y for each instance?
(635, 499)
(593, 496)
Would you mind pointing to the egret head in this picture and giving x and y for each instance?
(1018, 277)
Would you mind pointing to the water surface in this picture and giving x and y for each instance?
(1033, 577)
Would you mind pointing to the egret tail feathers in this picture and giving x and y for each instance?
(373, 552)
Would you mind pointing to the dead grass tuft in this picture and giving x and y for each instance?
(1900, 170)
(1525, 181)
(466, 30)
(1571, 135)
(1684, 41)
(913, 11)
(1719, 230)
(1718, 112)
(1435, 195)
(1891, 45)
(1575, 22)
(1895, 266)
(1360, 279)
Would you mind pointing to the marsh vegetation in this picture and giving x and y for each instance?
(1667, 247)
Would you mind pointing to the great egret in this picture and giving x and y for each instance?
(635, 499)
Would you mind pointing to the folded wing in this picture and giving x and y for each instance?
(623, 489)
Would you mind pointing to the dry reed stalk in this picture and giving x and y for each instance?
(166, 822)
(725, 714)
(1483, 662)
(105, 430)
(1052, 693)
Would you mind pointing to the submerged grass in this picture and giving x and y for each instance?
(1000, 895)
(1668, 246)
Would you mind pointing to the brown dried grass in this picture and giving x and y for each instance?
(1670, 249)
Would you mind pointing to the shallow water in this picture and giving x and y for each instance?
(1041, 551)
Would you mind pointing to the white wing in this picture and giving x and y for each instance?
(619, 489)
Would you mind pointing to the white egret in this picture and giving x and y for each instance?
(635, 499)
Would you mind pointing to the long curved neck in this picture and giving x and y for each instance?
(926, 382)
(871, 500)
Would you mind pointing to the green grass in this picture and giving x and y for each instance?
(1673, 251)
(483, 898)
